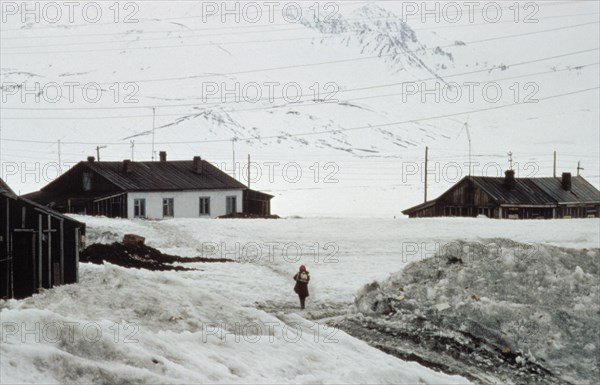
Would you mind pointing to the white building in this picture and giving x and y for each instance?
(152, 190)
(184, 204)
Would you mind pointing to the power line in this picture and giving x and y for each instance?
(286, 40)
(288, 105)
(181, 34)
(174, 46)
(346, 90)
(152, 39)
(403, 19)
(157, 20)
(334, 131)
(302, 65)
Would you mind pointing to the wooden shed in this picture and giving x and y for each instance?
(39, 248)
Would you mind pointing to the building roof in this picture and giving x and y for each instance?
(50, 198)
(525, 192)
(253, 194)
(539, 191)
(162, 176)
(581, 190)
(529, 191)
(5, 190)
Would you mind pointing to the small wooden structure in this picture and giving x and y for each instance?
(39, 248)
(514, 198)
(257, 203)
(133, 240)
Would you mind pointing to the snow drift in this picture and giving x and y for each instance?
(499, 310)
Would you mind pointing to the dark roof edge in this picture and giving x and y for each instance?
(48, 210)
(420, 207)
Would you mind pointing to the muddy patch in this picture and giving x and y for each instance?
(140, 257)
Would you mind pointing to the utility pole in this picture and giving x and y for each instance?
(248, 171)
(59, 160)
(153, 129)
(554, 166)
(132, 146)
(579, 168)
(510, 160)
(426, 163)
(233, 152)
(469, 138)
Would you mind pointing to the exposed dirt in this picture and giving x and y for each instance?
(139, 256)
(448, 351)
(248, 216)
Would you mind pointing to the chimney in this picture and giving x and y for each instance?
(509, 179)
(163, 156)
(197, 165)
(91, 159)
(126, 164)
(566, 181)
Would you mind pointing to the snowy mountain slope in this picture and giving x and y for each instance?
(171, 56)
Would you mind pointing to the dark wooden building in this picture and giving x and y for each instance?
(257, 203)
(514, 198)
(153, 190)
(39, 248)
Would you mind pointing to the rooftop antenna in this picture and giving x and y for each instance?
(579, 168)
(469, 138)
(510, 160)
(233, 152)
(132, 146)
(98, 148)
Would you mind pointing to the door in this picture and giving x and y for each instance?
(24, 262)
(231, 206)
(168, 207)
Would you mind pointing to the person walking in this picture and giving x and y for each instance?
(302, 277)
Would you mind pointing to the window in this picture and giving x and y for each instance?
(204, 206)
(139, 208)
(87, 181)
(168, 207)
(231, 206)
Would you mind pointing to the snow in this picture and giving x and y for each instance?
(543, 308)
(342, 254)
(189, 350)
(367, 165)
(235, 322)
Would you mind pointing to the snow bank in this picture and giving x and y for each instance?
(535, 305)
(135, 326)
(175, 319)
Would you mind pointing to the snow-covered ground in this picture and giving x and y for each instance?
(237, 322)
